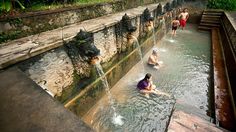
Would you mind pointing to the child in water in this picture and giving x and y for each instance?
(153, 59)
(175, 23)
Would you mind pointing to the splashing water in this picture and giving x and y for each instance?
(116, 119)
(163, 21)
(172, 41)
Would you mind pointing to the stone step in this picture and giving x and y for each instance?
(209, 21)
(204, 28)
(189, 118)
(210, 16)
(185, 122)
(213, 13)
(192, 110)
(209, 24)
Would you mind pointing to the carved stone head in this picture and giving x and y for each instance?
(85, 44)
(147, 16)
(127, 25)
(167, 7)
(174, 4)
(179, 2)
(159, 10)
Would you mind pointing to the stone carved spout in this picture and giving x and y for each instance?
(167, 7)
(147, 17)
(159, 10)
(85, 44)
(127, 25)
(147, 20)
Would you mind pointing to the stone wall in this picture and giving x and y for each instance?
(228, 38)
(66, 75)
(25, 24)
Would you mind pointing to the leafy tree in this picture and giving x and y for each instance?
(222, 4)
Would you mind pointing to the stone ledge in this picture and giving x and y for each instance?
(24, 48)
(26, 107)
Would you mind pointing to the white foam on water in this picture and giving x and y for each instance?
(172, 41)
(117, 120)
(162, 50)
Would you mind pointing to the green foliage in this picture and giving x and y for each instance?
(222, 4)
(8, 36)
(7, 5)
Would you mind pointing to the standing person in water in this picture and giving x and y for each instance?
(153, 59)
(146, 86)
(175, 23)
(183, 18)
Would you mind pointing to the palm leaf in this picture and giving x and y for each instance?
(5, 5)
(22, 7)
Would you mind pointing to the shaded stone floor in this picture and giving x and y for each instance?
(25, 107)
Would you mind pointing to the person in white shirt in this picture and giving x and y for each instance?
(183, 18)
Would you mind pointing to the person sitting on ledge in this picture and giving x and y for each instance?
(153, 59)
(146, 86)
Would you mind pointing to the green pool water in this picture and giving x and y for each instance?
(184, 74)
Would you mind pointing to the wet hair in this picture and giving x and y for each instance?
(176, 18)
(147, 76)
(185, 9)
(154, 51)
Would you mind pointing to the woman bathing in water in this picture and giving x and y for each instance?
(153, 59)
(146, 86)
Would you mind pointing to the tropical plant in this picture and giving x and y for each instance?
(7, 5)
(222, 4)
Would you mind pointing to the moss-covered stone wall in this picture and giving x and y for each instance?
(25, 24)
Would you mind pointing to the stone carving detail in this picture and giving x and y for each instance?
(174, 4)
(147, 20)
(85, 43)
(147, 17)
(82, 50)
(179, 2)
(167, 7)
(127, 25)
(124, 32)
(159, 10)
(53, 71)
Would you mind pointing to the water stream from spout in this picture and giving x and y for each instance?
(116, 119)
(154, 36)
(140, 53)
